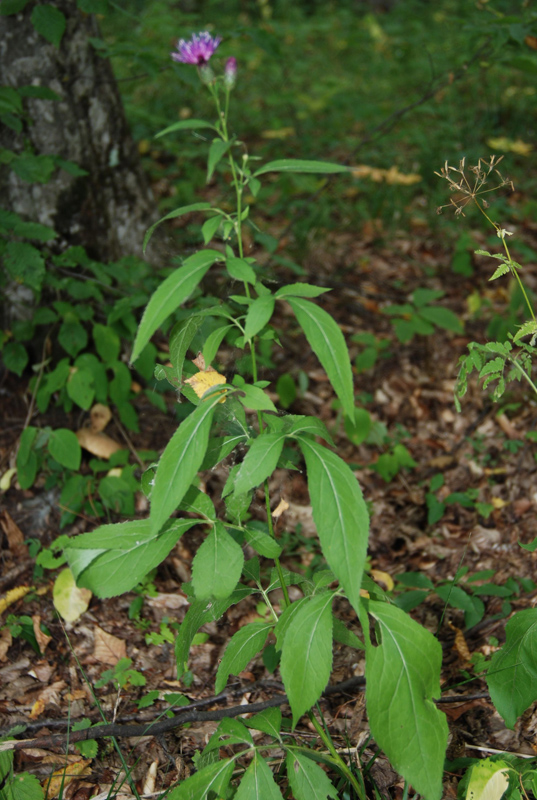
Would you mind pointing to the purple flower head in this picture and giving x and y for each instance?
(230, 72)
(198, 50)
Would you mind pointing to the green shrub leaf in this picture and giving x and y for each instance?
(185, 125)
(512, 675)
(217, 565)
(300, 165)
(307, 653)
(211, 779)
(180, 462)
(63, 446)
(177, 212)
(257, 782)
(308, 781)
(170, 294)
(242, 647)
(260, 461)
(328, 344)
(258, 314)
(49, 22)
(402, 678)
(113, 559)
(340, 515)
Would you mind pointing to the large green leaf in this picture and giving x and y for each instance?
(512, 675)
(307, 653)
(402, 678)
(177, 212)
(209, 781)
(170, 294)
(300, 165)
(340, 515)
(257, 782)
(181, 461)
(328, 344)
(63, 446)
(242, 647)
(308, 781)
(217, 565)
(113, 559)
(260, 461)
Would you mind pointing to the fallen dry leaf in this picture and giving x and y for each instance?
(108, 649)
(41, 638)
(282, 506)
(61, 778)
(15, 537)
(98, 444)
(69, 600)
(12, 596)
(100, 416)
(149, 783)
(37, 708)
(5, 643)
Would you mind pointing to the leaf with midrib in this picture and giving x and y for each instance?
(170, 294)
(340, 515)
(217, 565)
(328, 344)
(301, 165)
(242, 647)
(402, 679)
(512, 675)
(260, 461)
(181, 461)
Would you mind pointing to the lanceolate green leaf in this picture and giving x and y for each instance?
(217, 150)
(180, 340)
(512, 675)
(259, 313)
(340, 515)
(180, 462)
(300, 165)
(308, 781)
(177, 212)
(300, 290)
(185, 125)
(260, 461)
(199, 613)
(171, 293)
(242, 647)
(307, 653)
(328, 344)
(210, 781)
(217, 565)
(113, 559)
(257, 782)
(402, 678)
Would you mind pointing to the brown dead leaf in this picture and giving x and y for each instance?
(507, 427)
(460, 646)
(100, 416)
(15, 537)
(108, 649)
(61, 778)
(149, 783)
(98, 444)
(41, 638)
(5, 643)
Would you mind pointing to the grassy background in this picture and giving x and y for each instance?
(316, 79)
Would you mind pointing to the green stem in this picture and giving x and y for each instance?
(340, 763)
(511, 265)
(523, 373)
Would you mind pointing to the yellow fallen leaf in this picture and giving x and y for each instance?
(5, 480)
(61, 778)
(98, 444)
(497, 502)
(282, 506)
(37, 708)
(510, 145)
(280, 133)
(100, 416)
(13, 595)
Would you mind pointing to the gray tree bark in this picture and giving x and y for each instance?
(108, 210)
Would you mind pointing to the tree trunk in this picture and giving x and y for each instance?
(108, 210)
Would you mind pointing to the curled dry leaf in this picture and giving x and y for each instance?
(61, 778)
(98, 444)
(108, 649)
(100, 416)
(282, 506)
(5, 643)
(41, 638)
(15, 537)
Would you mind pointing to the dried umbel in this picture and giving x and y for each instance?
(467, 183)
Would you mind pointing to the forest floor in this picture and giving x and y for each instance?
(483, 454)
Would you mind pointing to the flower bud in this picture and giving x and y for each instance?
(206, 74)
(230, 73)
